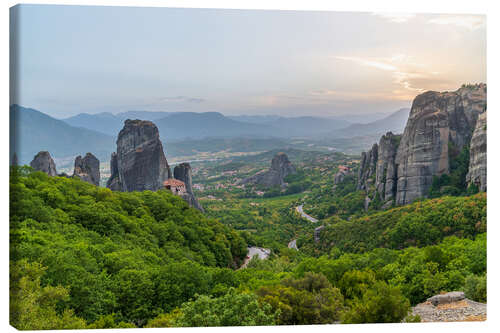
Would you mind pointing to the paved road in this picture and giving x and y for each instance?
(293, 244)
(253, 251)
(304, 215)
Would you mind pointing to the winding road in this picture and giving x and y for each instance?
(300, 209)
(253, 251)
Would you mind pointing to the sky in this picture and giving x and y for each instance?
(74, 59)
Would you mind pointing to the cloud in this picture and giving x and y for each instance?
(345, 95)
(371, 63)
(406, 73)
(471, 22)
(396, 17)
(182, 99)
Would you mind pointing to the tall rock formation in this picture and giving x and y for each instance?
(477, 165)
(280, 168)
(386, 170)
(440, 125)
(44, 162)
(114, 183)
(87, 169)
(139, 163)
(437, 121)
(182, 172)
(367, 168)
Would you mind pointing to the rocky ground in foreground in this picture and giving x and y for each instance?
(452, 310)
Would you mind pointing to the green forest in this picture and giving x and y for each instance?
(85, 257)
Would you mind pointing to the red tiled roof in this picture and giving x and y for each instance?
(173, 182)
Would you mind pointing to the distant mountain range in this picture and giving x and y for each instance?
(191, 125)
(34, 131)
(395, 122)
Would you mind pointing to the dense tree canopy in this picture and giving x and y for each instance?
(86, 257)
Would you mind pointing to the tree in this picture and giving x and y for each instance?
(310, 300)
(475, 288)
(232, 309)
(380, 304)
(33, 307)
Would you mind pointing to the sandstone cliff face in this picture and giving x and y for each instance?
(405, 165)
(87, 169)
(477, 165)
(44, 162)
(280, 168)
(437, 121)
(182, 172)
(139, 163)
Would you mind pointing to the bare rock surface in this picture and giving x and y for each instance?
(453, 296)
(401, 167)
(367, 168)
(275, 176)
(183, 173)
(452, 306)
(87, 169)
(139, 163)
(437, 121)
(386, 172)
(44, 162)
(477, 165)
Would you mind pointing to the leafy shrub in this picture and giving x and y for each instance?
(475, 288)
(380, 304)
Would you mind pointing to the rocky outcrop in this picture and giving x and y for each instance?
(339, 177)
(139, 162)
(275, 176)
(317, 232)
(452, 306)
(453, 296)
(87, 169)
(44, 162)
(477, 165)
(341, 174)
(114, 183)
(386, 169)
(367, 168)
(437, 122)
(440, 125)
(182, 172)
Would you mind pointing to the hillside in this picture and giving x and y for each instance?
(395, 122)
(33, 131)
(131, 254)
(419, 224)
(105, 122)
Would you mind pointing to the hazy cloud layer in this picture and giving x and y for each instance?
(94, 59)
